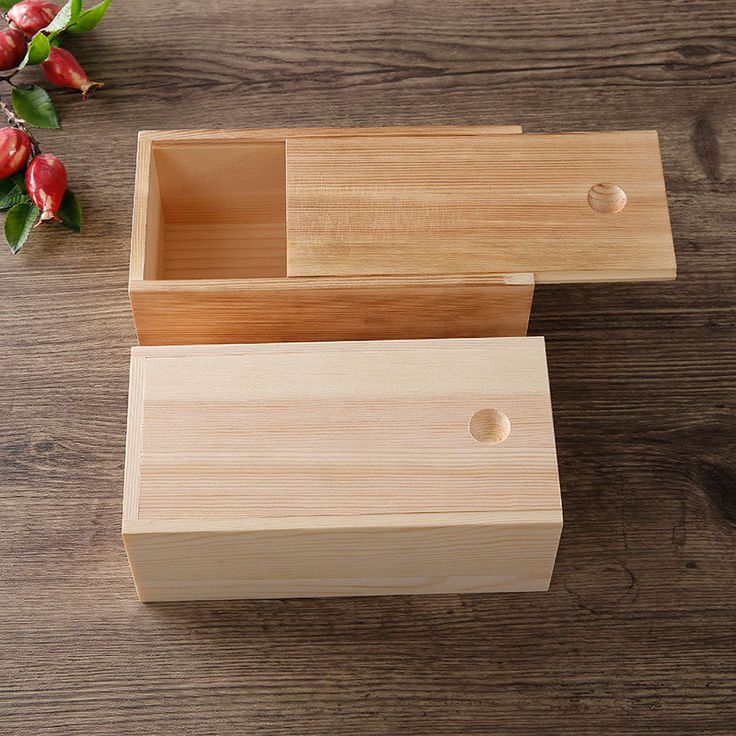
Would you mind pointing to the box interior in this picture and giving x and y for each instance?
(217, 212)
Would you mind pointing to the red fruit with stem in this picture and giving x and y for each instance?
(46, 184)
(63, 70)
(12, 48)
(32, 15)
(15, 148)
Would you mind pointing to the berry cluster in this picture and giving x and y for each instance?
(35, 30)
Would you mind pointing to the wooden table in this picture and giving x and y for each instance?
(637, 634)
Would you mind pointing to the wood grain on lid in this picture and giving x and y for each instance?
(342, 428)
(368, 206)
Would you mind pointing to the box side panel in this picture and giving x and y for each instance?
(148, 218)
(298, 310)
(131, 489)
(441, 557)
(188, 137)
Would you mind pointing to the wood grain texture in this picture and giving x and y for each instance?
(208, 254)
(636, 633)
(229, 431)
(340, 468)
(223, 197)
(297, 310)
(184, 138)
(482, 204)
(329, 556)
(226, 188)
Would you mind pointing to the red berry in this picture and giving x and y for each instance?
(12, 48)
(32, 15)
(15, 147)
(63, 70)
(46, 184)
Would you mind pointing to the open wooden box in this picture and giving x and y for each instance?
(342, 234)
(286, 465)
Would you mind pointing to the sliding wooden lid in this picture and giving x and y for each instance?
(571, 207)
(405, 426)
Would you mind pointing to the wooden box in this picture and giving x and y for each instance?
(346, 234)
(301, 462)
(340, 468)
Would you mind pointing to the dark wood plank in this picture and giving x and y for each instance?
(638, 631)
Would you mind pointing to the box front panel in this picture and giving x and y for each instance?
(301, 310)
(394, 556)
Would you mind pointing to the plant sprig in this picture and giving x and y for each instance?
(32, 107)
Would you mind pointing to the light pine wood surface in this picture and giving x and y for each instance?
(635, 635)
(209, 253)
(228, 188)
(361, 308)
(358, 432)
(297, 557)
(478, 204)
(259, 210)
(342, 428)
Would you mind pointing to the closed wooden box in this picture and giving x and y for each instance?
(350, 234)
(340, 468)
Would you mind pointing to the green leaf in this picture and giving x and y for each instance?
(13, 198)
(35, 107)
(18, 224)
(7, 4)
(89, 18)
(37, 51)
(70, 212)
(68, 14)
(40, 45)
(6, 186)
(12, 192)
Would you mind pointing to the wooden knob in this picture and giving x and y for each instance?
(607, 198)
